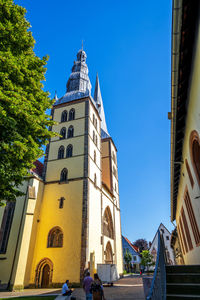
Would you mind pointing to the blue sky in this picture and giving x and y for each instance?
(128, 43)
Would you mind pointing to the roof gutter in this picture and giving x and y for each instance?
(175, 53)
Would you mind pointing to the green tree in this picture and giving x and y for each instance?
(23, 103)
(147, 259)
(127, 258)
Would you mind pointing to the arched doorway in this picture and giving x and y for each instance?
(108, 254)
(44, 273)
(45, 276)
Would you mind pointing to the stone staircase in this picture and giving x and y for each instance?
(183, 282)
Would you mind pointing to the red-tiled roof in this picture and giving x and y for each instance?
(132, 246)
(38, 168)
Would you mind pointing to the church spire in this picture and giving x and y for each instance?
(99, 103)
(79, 80)
(78, 84)
(55, 97)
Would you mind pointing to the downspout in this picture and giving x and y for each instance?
(175, 53)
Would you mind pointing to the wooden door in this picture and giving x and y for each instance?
(45, 276)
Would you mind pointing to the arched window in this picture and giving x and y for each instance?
(114, 157)
(96, 140)
(63, 175)
(93, 120)
(55, 238)
(70, 133)
(63, 133)
(108, 223)
(64, 116)
(95, 179)
(69, 151)
(72, 114)
(114, 172)
(195, 153)
(95, 156)
(61, 151)
(93, 136)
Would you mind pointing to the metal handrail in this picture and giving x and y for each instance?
(158, 285)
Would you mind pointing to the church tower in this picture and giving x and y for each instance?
(76, 222)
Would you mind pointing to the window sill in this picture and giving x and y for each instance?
(63, 182)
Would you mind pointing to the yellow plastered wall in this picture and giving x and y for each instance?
(73, 164)
(192, 123)
(66, 260)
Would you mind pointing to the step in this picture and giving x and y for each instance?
(180, 297)
(183, 288)
(183, 269)
(183, 278)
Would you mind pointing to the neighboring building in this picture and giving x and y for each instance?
(166, 239)
(136, 259)
(185, 127)
(69, 218)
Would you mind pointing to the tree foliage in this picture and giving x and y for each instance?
(127, 258)
(141, 244)
(23, 121)
(147, 259)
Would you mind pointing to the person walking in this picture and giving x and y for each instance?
(87, 282)
(97, 288)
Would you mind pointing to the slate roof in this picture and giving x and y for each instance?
(79, 86)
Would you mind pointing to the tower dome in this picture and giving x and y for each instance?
(81, 55)
(78, 85)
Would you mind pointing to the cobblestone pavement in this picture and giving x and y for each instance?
(30, 292)
(125, 288)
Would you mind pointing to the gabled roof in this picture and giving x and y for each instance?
(131, 245)
(159, 228)
(38, 168)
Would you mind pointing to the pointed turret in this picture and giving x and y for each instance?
(99, 103)
(55, 97)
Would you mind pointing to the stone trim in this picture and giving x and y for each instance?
(39, 269)
(85, 203)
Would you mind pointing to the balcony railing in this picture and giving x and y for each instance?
(158, 285)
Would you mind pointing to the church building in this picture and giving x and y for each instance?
(69, 218)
